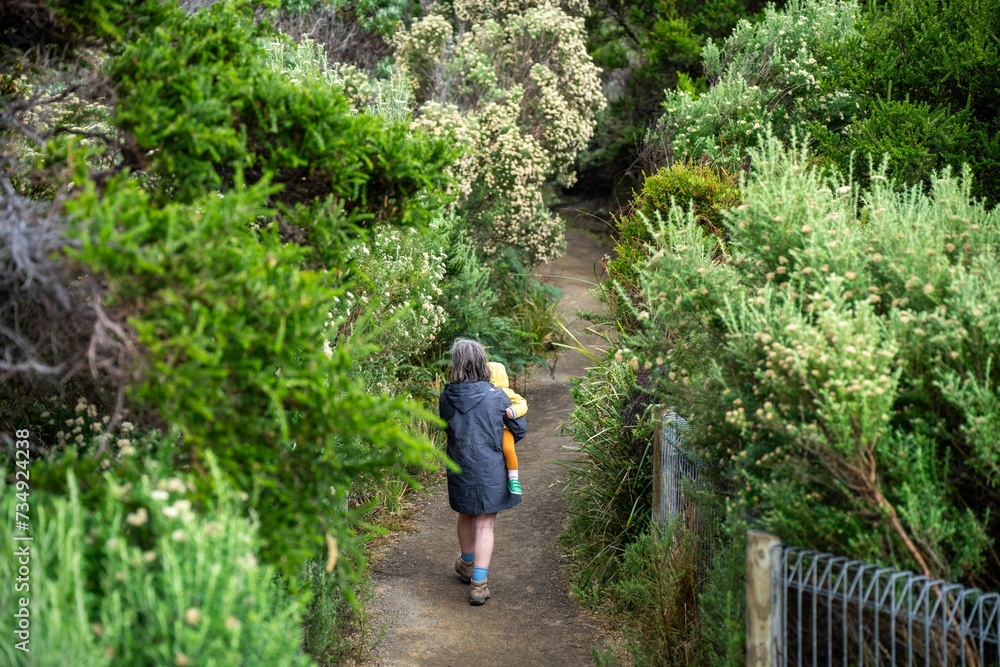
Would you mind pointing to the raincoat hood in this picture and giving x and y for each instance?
(465, 396)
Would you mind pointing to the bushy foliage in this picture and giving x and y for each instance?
(223, 240)
(852, 80)
(955, 66)
(518, 89)
(472, 11)
(241, 115)
(705, 190)
(657, 585)
(233, 334)
(851, 384)
(939, 101)
(73, 26)
(914, 140)
(378, 16)
(708, 191)
(779, 73)
(143, 579)
(646, 47)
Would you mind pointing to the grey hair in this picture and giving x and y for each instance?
(468, 362)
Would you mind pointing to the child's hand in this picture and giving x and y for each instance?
(510, 413)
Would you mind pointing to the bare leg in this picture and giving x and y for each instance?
(484, 538)
(467, 533)
(475, 534)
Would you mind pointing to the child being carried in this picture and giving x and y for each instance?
(518, 408)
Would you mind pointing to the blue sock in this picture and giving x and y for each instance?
(479, 573)
(468, 557)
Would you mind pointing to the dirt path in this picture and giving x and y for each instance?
(530, 619)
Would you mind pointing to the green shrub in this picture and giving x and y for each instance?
(954, 68)
(657, 586)
(835, 358)
(842, 395)
(722, 602)
(646, 47)
(328, 616)
(232, 332)
(241, 114)
(142, 579)
(953, 77)
(229, 248)
(853, 80)
(708, 191)
(913, 138)
(395, 301)
(780, 73)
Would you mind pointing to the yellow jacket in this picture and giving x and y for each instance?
(498, 376)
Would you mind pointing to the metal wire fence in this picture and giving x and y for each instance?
(681, 484)
(830, 610)
(677, 467)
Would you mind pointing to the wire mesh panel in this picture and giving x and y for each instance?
(678, 466)
(680, 478)
(837, 611)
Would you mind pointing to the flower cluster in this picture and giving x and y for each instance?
(469, 11)
(394, 303)
(523, 94)
(505, 170)
(87, 426)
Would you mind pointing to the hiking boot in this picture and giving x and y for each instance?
(514, 486)
(464, 570)
(479, 593)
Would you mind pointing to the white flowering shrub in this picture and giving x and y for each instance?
(517, 90)
(851, 388)
(141, 578)
(395, 303)
(469, 11)
(498, 182)
(422, 51)
(779, 73)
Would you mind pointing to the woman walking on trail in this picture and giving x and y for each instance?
(476, 414)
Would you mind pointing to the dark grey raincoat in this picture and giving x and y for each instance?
(475, 415)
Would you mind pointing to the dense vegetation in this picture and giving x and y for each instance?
(807, 276)
(230, 268)
(236, 238)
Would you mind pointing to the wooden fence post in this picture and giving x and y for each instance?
(659, 518)
(763, 606)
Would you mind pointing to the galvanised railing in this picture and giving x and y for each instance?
(678, 478)
(675, 465)
(831, 610)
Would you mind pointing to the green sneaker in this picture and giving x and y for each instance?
(514, 486)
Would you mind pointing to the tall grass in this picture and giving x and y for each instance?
(674, 608)
(610, 487)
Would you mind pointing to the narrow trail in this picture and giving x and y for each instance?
(531, 619)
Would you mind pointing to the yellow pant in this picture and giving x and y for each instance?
(508, 450)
